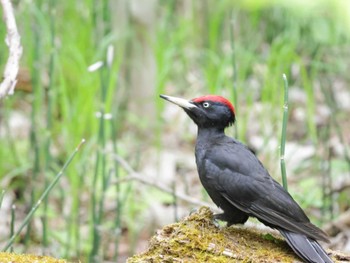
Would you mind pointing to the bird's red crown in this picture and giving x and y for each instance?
(215, 98)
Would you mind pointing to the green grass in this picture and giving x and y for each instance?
(239, 50)
(43, 196)
(283, 133)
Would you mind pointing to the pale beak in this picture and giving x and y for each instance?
(178, 101)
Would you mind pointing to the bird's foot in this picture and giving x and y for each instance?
(217, 218)
(231, 219)
(221, 217)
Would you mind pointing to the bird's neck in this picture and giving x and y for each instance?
(205, 139)
(209, 133)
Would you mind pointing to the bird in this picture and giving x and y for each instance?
(239, 184)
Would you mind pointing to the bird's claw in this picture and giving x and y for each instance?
(217, 218)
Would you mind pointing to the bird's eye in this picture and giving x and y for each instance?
(206, 104)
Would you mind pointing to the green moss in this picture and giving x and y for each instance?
(197, 239)
(26, 258)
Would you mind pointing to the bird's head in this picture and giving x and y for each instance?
(207, 111)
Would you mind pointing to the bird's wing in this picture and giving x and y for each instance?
(245, 183)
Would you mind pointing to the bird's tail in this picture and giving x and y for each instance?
(306, 248)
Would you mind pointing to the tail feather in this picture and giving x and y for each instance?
(307, 249)
(321, 251)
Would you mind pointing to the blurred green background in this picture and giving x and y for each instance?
(94, 69)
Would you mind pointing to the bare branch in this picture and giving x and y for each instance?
(12, 40)
(133, 175)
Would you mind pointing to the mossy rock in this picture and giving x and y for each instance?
(197, 239)
(27, 258)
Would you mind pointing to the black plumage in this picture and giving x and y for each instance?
(239, 184)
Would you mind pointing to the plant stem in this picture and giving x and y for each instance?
(97, 211)
(12, 227)
(36, 103)
(117, 221)
(284, 130)
(49, 118)
(234, 75)
(2, 194)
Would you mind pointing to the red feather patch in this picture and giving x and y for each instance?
(215, 98)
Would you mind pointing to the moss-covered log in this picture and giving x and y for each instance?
(197, 239)
(27, 258)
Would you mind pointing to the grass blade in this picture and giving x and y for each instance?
(12, 227)
(284, 130)
(2, 197)
(42, 197)
(234, 67)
